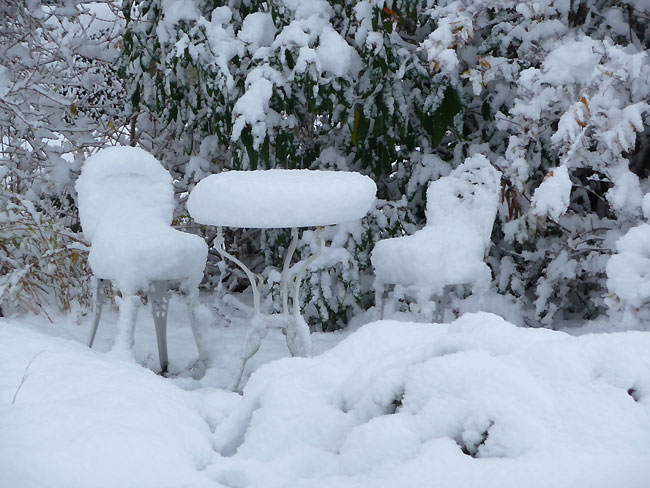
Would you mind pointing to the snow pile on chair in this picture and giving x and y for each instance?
(126, 205)
(450, 249)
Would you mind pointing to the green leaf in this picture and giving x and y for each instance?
(486, 111)
(173, 113)
(247, 139)
(135, 97)
(289, 57)
(265, 152)
(361, 126)
(126, 11)
(442, 118)
(281, 149)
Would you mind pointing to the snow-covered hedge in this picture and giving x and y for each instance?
(554, 93)
(59, 99)
(551, 91)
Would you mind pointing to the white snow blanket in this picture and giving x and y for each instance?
(478, 402)
(281, 198)
(126, 205)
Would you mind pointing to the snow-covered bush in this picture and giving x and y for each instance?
(398, 401)
(42, 260)
(286, 84)
(59, 98)
(404, 91)
(554, 93)
(557, 93)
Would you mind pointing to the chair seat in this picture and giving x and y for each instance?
(135, 254)
(432, 257)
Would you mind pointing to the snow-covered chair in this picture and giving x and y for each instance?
(451, 248)
(628, 272)
(126, 203)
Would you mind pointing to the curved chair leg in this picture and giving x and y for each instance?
(199, 329)
(126, 325)
(99, 303)
(160, 296)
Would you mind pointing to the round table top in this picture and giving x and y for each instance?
(280, 198)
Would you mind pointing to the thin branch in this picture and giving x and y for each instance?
(25, 375)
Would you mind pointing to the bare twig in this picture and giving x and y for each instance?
(25, 375)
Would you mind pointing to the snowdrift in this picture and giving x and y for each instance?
(478, 402)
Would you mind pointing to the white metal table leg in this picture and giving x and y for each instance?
(221, 249)
(99, 304)
(258, 329)
(285, 270)
(298, 337)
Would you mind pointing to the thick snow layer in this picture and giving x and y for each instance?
(573, 62)
(335, 55)
(450, 250)
(258, 30)
(281, 198)
(478, 402)
(175, 11)
(133, 255)
(475, 402)
(552, 197)
(432, 257)
(126, 204)
(120, 184)
(645, 205)
(84, 420)
(628, 271)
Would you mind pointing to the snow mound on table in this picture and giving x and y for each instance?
(126, 205)
(84, 420)
(281, 198)
(478, 402)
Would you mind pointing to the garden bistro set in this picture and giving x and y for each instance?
(126, 204)
(279, 199)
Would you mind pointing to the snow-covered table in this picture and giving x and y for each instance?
(279, 198)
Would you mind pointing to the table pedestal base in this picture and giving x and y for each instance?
(294, 326)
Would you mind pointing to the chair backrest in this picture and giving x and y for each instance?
(122, 185)
(468, 197)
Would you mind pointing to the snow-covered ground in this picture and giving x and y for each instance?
(478, 402)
